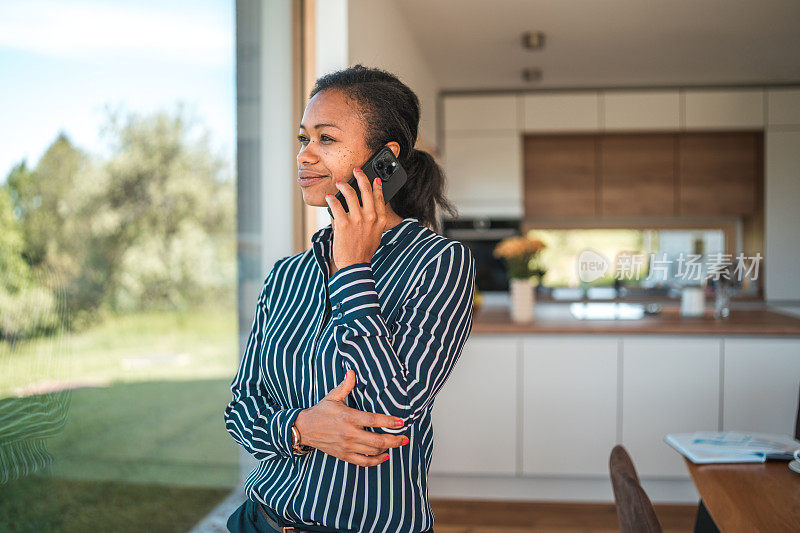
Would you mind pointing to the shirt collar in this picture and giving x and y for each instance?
(390, 236)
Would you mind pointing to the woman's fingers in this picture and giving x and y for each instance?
(349, 193)
(364, 449)
(367, 208)
(336, 206)
(379, 440)
(379, 202)
(365, 460)
(375, 420)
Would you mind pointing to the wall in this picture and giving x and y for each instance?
(378, 36)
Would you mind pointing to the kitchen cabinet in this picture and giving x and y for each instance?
(723, 109)
(543, 411)
(762, 380)
(578, 111)
(783, 107)
(474, 114)
(641, 110)
(475, 413)
(781, 214)
(560, 175)
(718, 173)
(483, 172)
(569, 416)
(669, 385)
(637, 174)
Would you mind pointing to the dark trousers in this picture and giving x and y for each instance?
(248, 519)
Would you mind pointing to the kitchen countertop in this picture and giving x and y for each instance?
(751, 320)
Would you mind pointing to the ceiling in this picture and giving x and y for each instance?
(474, 44)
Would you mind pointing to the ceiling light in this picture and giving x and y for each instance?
(533, 40)
(531, 74)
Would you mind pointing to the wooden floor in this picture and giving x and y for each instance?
(467, 516)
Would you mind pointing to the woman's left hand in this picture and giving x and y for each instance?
(357, 233)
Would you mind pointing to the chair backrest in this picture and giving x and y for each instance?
(797, 424)
(635, 511)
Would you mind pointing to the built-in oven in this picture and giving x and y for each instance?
(481, 235)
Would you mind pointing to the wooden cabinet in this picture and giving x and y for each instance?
(637, 174)
(475, 414)
(668, 386)
(655, 174)
(569, 417)
(560, 175)
(762, 379)
(718, 173)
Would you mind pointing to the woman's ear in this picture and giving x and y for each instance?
(394, 147)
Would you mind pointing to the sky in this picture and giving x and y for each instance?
(63, 61)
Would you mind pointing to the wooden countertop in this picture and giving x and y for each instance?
(741, 322)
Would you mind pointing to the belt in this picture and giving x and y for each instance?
(286, 529)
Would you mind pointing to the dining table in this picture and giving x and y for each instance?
(749, 497)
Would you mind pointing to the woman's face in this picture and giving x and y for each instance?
(332, 143)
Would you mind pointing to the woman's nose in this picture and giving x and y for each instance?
(307, 155)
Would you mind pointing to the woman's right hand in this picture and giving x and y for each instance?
(338, 430)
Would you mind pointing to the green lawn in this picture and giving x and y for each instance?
(143, 427)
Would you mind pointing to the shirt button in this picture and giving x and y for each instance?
(339, 315)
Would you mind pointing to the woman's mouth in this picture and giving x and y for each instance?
(310, 179)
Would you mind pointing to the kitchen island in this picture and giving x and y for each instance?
(532, 411)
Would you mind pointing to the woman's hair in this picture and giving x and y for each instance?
(391, 112)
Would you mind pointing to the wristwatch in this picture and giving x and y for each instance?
(296, 446)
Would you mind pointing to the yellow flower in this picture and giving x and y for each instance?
(518, 247)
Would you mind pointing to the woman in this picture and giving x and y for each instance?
(353, 338)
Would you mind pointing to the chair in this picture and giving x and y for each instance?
(797, 423)
(635, 512)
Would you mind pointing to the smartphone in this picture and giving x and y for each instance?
(384, 165)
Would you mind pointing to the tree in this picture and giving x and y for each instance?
(165, 223)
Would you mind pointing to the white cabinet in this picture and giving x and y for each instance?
(762, 380)
(475, 413)
(781, 215)
(783, 107)
(722, 109)
(669, 385)
(569, 417)
(481, 113)
(484, 172)
(641, 110)
(555, 113)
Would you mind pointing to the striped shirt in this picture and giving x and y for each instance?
(400, 322)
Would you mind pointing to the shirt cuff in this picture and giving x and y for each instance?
(352, 293)
(280, 429)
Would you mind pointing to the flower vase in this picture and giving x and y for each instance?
(521, 300)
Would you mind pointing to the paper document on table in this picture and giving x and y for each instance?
(732, 446)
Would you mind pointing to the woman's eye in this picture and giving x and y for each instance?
(326, 138)
(302, 139)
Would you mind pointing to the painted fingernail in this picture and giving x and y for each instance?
(357, 169)
(398, 423)
(338, 181)
(405, 440)
(386, 458)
